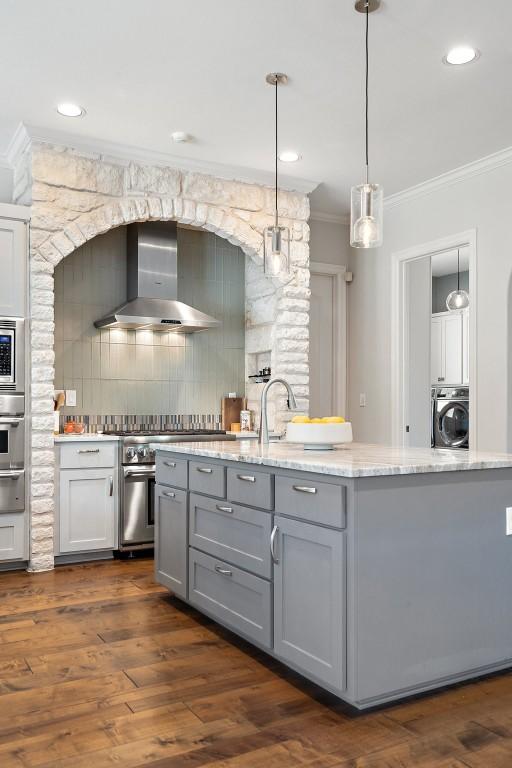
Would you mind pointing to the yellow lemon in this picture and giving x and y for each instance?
(316, 421)
(300, 420)
(333, 420)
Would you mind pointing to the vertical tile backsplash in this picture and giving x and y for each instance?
(144, 372)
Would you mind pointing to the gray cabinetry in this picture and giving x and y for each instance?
(87, 510)
(307, 499)
(253, 488)
(171, 546)
(232, 532)
(209, 478)
(238, 599)
(309, 604)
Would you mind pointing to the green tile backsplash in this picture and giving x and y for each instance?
(141, 372)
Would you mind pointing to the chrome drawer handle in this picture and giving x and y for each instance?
(223, 571)
(206, 470)
(304, 489)
(247, 478)
(88, 450)
(111, 486)
(224, 509)
(273, 535)
(169, 463)
(170, 494)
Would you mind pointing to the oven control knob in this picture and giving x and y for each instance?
(131, 453)
(142, 452)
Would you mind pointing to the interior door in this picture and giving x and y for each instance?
(417, 366)
(322, 353)
(453, 348)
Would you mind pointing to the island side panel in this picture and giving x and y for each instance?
(432, 580)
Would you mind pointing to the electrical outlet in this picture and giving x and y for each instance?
(71, 397)
(508, 518)
(362, 400)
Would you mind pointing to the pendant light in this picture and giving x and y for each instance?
(366, 199)
(276, 239)
(458, 299)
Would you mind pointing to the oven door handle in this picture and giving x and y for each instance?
(133, 473)
(12, 421)
(11, 474)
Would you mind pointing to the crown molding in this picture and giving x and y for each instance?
(464, 172)
(126, 154)
(331, 218)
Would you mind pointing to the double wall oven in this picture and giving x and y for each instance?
(12, 414)
(137, 481)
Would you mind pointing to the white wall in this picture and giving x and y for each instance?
(329, 242)
(5, 185)
(481, 202)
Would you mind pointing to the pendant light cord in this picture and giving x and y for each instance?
(458, 270)
(276, 149)
(366, 92)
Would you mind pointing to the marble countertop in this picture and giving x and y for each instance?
(349, 460)
(85, 438)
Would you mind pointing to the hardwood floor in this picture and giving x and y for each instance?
(99, 667)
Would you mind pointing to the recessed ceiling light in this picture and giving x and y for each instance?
(289, 156)
(68, 109)
(461, 54)
(180, 136)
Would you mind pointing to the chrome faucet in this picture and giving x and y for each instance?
(292, 405)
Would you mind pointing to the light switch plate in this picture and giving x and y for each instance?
(362, 400)
(508, 517)
(71, 397)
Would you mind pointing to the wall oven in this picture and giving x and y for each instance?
(12, 453)
(12, 355)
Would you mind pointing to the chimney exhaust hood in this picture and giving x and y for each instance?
(152, 283)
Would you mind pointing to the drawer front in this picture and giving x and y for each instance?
(253, 488)
(83, 455)
(231, 532)
(235, 598)
(12, 536)
(207, 478)
(305, 499)
(171, 471)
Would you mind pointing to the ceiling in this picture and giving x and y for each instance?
(143, 69)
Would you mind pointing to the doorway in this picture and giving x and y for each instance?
(434, 349)
(327, 340)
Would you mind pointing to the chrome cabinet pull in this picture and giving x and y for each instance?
(170, 494)
(169, 463)
(88, 450)
(224, 509)
(247, 478)
(206, 470)
(111, 486)
(223, 571)
(273, 535)
(304, 489)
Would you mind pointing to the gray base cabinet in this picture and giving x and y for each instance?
(171, 546)
(309, 589)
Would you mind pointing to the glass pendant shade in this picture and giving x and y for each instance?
(276, 250)
(457, 300)
(366, 205)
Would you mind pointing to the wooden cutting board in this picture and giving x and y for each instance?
(231, 407)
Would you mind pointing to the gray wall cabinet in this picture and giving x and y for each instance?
(171, 546)
(375, 588)
(309, 589)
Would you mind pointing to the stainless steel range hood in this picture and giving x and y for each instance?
(152, 285)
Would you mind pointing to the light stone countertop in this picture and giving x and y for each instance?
(85, 438)
(348, 460)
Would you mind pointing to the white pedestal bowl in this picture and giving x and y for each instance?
(319, 437)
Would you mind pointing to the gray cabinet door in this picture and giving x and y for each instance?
(309, 600)
(171, 545)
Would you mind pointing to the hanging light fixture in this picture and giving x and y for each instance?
(276, 239)
(458, 299)
(366, 199)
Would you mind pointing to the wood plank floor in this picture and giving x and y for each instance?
(101, 667)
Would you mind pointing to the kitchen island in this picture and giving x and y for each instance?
(376, 572)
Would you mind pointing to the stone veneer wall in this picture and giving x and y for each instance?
(76, 196)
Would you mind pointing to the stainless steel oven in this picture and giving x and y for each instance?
(12, 453)
(12, 355)
(137, 504)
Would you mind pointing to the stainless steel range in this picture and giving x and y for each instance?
(137, 480)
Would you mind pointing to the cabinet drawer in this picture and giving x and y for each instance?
(207, 478)
(253, 488)
(305, 499)
(235, 598)
(171, 471)
(232, 532)
(12, 536)
(82, 455)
